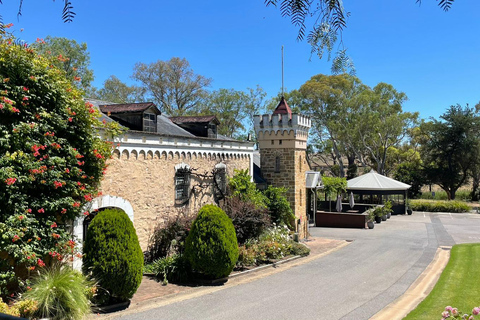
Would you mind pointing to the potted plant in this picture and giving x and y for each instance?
(370, 218)
(378, 213)
(388, 209)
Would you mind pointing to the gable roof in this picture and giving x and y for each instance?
(194, 119)
(283, 108)
(375, 181)
(126, 107)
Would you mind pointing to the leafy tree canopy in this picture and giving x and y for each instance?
(451, 148)
(172, 85)
(70, 56)
(114, 90)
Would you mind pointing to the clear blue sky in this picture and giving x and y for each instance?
(432, 56)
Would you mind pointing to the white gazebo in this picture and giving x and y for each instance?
(374, 188)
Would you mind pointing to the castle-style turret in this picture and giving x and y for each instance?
(282, 141)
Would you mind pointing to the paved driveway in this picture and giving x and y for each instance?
(352, 283)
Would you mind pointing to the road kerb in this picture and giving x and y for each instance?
(418, 291)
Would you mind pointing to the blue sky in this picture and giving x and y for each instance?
(432, 56)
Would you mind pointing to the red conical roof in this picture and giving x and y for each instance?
(283, 108)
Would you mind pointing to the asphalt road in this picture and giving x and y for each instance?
(354, 282)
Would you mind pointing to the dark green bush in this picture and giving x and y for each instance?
(112, 255)
(169, 237)
(438, 206)
(279, 207)
(211, 246)
(248, 219)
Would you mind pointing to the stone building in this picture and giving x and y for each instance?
(163, 167)
(282, 141)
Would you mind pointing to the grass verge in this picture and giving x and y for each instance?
(457, 286)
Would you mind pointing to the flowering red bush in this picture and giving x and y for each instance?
(45, 128)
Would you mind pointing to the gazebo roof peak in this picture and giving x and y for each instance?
(375, 181)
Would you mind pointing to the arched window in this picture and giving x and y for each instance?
(277, 164)
(182, 183)
(220, 182)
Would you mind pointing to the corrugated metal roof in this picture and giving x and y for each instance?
(166, 126)
(375, 181)
(194, 119)
(126, 107)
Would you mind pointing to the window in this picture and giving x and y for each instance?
(220, 182)
(277, 164)
(149, 122)
(182, 183)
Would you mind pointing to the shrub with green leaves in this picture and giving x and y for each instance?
(279, 207)
(51, 161)
(438, 206)
(60, 293)
(211, 245)
(112, 255)
(174, 268)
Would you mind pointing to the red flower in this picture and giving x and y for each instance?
(31, 268)
(40, 263)
(64, 210)
(54, 225)
(76, 204)
(10, 181)
(25, 89)
(21, 217)
(41, 210)
(29, 210)
(15, 238)
(57, 184)
(15, 110)
(25, 98)
(70, 119)
(88, 197)
(86, 213)
(55, 235)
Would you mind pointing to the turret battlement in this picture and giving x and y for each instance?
(280, 122)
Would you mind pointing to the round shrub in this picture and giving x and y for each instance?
(211, 245)
(113, 256)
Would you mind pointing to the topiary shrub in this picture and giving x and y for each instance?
(112, 255)
(211, 246)
(279, 207)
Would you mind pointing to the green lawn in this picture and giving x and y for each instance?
(458, 286)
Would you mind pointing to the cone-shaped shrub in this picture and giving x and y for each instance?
(113, 255)
(211, 246)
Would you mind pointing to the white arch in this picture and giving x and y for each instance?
(97, 203)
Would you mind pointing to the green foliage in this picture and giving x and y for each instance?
(451, 148)
(169, 237)
(411, 173)
(174, 268)
(371, 214)
(211, 245)
(438, 206)
(116, 91)
(332, 186)
(241, 185)
(61, 293)
(112, 254)
(69, 56)
(172, 84)
(234, 109)
(279, 207)
(272, 245)
(462, 195)
(457, 285)
(248, 219)
(51, 162)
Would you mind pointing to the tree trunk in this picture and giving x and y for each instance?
(476, 183)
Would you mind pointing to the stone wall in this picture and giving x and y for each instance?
(293, 166)
(147, 182)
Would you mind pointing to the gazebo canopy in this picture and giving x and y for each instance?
(375, 182)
